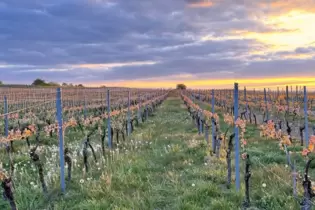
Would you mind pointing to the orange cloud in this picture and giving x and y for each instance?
(291, 5)
(201, 4)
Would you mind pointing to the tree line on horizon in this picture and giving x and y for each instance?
(43, 83)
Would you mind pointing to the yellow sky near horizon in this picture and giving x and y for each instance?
(258, 83)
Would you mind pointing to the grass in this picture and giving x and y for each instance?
(269, 161)
(162, 168)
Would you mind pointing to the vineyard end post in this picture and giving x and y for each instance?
(146, 109)
(266, 104)
(139, 109)
(212, 122)
(6, 121)
(128, 114)
(61, 143)
(245, 99)
(237, 144)
(306, 117)
(108, 120)
(287, 96)
(84, 105)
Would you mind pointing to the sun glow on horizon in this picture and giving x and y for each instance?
(258, 83)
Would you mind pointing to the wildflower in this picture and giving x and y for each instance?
(285, 140)
(244, 156)
(193, 185)
(244, 142)
(311, 147)
(264, 185)
(305, 152)
(81, 181)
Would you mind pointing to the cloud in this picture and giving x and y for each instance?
(280, 6)
(94, 41)
(110, 65)
(198, 4)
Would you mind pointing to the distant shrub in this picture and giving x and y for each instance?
(181, 86)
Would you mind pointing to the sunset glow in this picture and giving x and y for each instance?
(298, 31)
(271, 83)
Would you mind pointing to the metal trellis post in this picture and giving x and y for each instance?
(237, 143)
(306, 117)
(61, 143)
(108, 120)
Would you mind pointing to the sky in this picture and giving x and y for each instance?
(159, 43)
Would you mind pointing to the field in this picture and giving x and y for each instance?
(163, 164)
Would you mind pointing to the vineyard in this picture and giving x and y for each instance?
(124, 148)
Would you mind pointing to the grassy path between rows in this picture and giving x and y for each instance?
(168, 174)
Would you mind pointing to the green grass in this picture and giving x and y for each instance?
(269, 165)
(165, 169)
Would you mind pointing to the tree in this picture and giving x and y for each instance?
(53, 84)
(80, 85)
(39, 82)
(64, 84)
(181, 86)
(1, 83)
